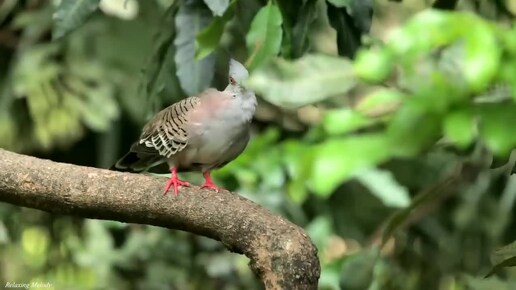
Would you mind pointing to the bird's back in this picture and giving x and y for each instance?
(161, 137)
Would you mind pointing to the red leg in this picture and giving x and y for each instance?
(208, 183)
(175, 181)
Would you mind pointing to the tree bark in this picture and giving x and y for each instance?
(281, 254)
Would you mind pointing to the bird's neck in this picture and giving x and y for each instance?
(248, 105)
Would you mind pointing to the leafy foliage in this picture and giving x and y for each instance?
(391, 144)
(281, 83)
(70, 14)
(264, 37)
(194, 77)
(207, 40)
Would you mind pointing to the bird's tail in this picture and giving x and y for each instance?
(134, 162)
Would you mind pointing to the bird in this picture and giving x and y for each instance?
(196, 134)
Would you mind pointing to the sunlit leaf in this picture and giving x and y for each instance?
(380, 102)
(341, 121)
(70, 14)
(383, 185)
(124, 9)
(433, 23)
(337, 160)
(373, 65)
(307, 80)
(264, 37)
(460, 128)
(482, 52)
(218, 7)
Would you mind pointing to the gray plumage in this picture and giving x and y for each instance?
(199, 133)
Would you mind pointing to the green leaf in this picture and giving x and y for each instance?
(483, 52)
(70, 14)
(362, 12)
(342, 121)
(264, 37)
(330, 275)
(496, 127)
(307, 80)
(412, 129)
(208, 39)
(297, 22)
(383, 185)
(194, 77)
(351, 19)
(488, 283)
(430, 194)
(348, 36)
(511, 262)
(320, 230)
(340, 3)
(380, 102)
(337, 160)
(158, 73)
(503, 253)
(297, 191)
(298, 161)
(460, 128)
(218, 7)
(373, 65)
(358, 270)
(432, 23)
(508, 76)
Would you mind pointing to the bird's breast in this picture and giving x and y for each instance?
(218, 138)
(215, 142)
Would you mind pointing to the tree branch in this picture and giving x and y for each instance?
(281, 254)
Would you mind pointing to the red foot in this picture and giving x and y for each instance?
(176, 182)
(208, 183)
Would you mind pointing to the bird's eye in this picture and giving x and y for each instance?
(232, 80)
(234, 95)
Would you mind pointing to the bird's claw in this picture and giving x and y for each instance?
(175, 182)
(211, 185)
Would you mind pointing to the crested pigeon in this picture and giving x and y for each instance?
(199, 133)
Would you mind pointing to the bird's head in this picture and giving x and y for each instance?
(245, 98)
(237, 73)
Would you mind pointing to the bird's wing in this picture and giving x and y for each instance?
(167, 133)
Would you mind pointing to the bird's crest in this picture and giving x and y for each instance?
(237, 72)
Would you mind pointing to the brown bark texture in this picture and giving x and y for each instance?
(281, 253)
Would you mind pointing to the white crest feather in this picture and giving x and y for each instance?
(237, 71)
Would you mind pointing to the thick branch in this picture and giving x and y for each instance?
(281, 253)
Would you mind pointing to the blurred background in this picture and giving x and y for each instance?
(78, 79)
